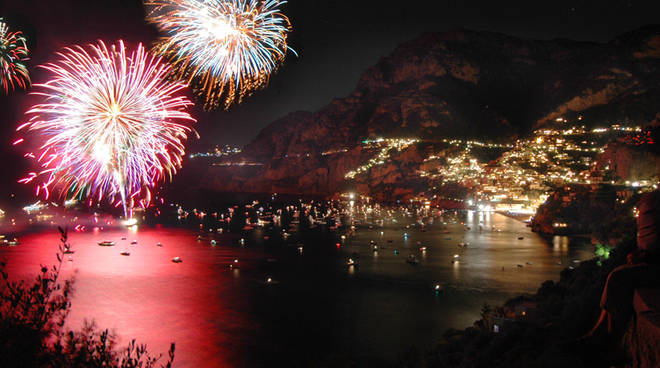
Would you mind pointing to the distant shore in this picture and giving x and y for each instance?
(520, 217)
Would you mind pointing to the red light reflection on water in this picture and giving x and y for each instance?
(145, 296)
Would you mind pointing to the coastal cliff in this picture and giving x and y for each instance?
(459, 84)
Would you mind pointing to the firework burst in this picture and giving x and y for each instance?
(225, 49)
(13, 55)
(108, 125)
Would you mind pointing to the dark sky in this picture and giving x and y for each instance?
(336, 41)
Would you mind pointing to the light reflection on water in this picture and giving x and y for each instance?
(145, 296)
(226, 317)
(491, 260)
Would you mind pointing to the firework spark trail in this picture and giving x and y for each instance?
(107, 125)
(226, 49)
(13, 55)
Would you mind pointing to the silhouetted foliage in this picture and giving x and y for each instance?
(565, 310)
(32, 334)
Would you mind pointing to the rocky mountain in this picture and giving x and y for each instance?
(444, 85)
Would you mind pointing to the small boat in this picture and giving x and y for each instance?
(68, 251)
(521, 237)
(177, 260)
(437, 287)
(159, 244)
(412, 260)
(134, 242)
(125, 253)
(463, 245)
(271, 281)
(423, 249)
(351, 262)
(213, 242)
(123, 238)
(519, 265)
(106, 243)
(529, 263)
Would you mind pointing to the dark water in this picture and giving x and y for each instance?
(317, 310)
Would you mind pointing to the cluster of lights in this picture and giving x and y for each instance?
(522, 178)
(218, 151)
(386, 146)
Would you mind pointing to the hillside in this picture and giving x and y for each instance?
(459, 84)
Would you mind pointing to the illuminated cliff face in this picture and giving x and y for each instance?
(462, 85)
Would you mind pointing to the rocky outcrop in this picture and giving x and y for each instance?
(630, 162)
(454, 84)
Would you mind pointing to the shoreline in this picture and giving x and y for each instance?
(521, 217)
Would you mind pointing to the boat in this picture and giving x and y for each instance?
(213, 242)
(463, 245)
(412, 260)
(351, 262)
(159, 245)
(271, 281)
(106, 243)
(177, 260)
(68, 251)
(123, 238)
(134, 242)
(521, 237)
(423, 249)
(125, 253)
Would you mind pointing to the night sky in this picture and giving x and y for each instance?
(336, 41)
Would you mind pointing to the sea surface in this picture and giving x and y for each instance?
(316, 310)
